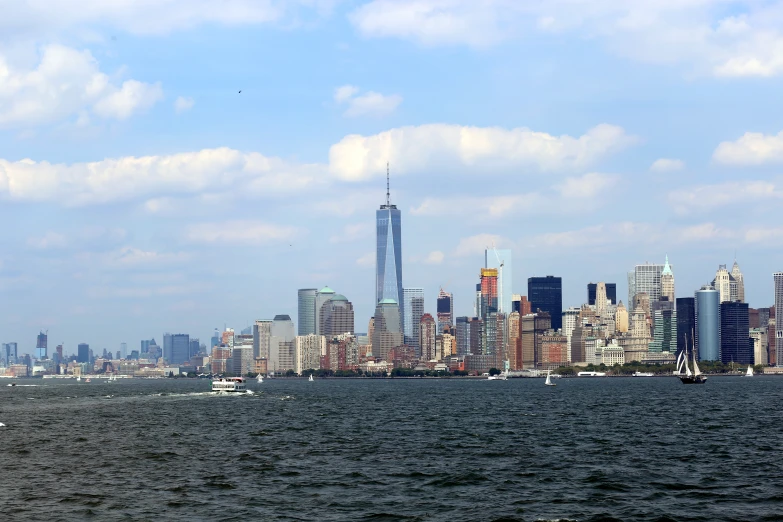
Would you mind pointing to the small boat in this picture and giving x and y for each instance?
(499, 377)
(591, 374)
(694, 377)
(87, 380)
(311, 378)
(259, 379)
(229, 385)
(749, 373)
(643, 374)
(12, 384)
(78, 378)
(549, 380)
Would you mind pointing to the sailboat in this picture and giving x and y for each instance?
(78, 378)
(311, 378)
(549, 380)
(691, 378)
(259, 379)
(749, 373)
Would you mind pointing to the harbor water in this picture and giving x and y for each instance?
(393, 449)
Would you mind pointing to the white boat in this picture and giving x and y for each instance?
(749, 373)
(499, 377)
(79, 378)
(643, 374)
(259, 379)
(549, 380)
(229, 385)
(591, 374)
(311, 378)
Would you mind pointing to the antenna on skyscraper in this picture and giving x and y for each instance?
(388, 201)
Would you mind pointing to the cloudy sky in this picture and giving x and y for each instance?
(140, 192)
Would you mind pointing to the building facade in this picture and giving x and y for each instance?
(445, 310)
(778, 281)
(546, 294)
(306, 311)
(387, 333)
(735, 343)
(427, 335)
(707, 301)
(388, 260)
(502, 260)
(414, 309)
(686, 323)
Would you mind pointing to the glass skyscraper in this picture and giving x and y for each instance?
(307, 311)
(546, 294)
(505, 276)
(413, 304)
(388, 261)
(708, 323)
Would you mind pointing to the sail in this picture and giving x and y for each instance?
(750, 371)
(696, 370)
(548, 380)
(679, 363)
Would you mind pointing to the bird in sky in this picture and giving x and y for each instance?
(240, 92)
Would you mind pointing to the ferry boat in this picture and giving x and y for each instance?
(229, 385)
(591, 374)
(643, 374)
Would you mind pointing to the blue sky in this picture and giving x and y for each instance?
(141, 193)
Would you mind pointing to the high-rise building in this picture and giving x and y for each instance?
(735, 343)
(42, 345)
(262, 332)
(388, 261)
(336, 317)
(665, 330)
(520, 304)
(778, 278)
(306, 310)
(281, 337)
(514, 342)
(532, 328)
(309, 349)
(168, 347)
(611, 292)
(387, 334)
(600, 299)
(414, 309)
(503, 261)
(462, 328)
(426, 338)
(180, 349)
(10, 353)
(488, 301)
(321, 297)
(707, 301)
(621, 318)
(83, 353)
(646, 279)
(736, 274)
(546, 294)
(686, 323)
(727, 285)
(569, 322)
(445, 310)
(667, 282)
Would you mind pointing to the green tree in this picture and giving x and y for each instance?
(494, 371)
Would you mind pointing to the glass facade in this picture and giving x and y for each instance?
(611, 292)
(735, 346)
(388, 261)
(708, 324)
(414, 309)
(546, 294)
(306, 309)
(686, 322)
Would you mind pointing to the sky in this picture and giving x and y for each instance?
(142, 193)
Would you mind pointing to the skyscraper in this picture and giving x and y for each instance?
(42, 345)
(646, 278)
(611, 292)
(414, 309)
(726, 285)
(708, 323)
(321, 297)
(667, 282)
(262, 332)
(426, 337)
(10, 353)
(735, 343)
(493, 258)
(686, 323)
(83, 353)
(736, 273)
(388, 261)
(546, 294)
(462, 328)
(778, 278)
(180, 349)
(337, 317)
(387, 333)
(445, 310)
(306, 311)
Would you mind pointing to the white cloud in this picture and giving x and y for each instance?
(768, 236)
(709, 197)
(667, 165)
(438, 146)
(474, 245)
(183, 104)
(367, 260)
(753, 148)
(241, 232)
(368, 104)
(588, 186)
(434, 258)
(48, 241)
(354, 232)
(697, 33)
(125, 178)
(490, 206)
(65, 83)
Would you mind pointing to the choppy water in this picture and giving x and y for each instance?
(588, 449)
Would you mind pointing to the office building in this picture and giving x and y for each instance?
(514, 342)
(321, 297)
(686, 323)
(778, 279)
(621, 319)
(646, 279)
(727, 285)
(736, 274)
(388, 261)
(306, 310)
(502, 260)
(611, 292)
(735, 343)
(531, 330)
(180, 349)
(445, 310)
(667, 282)
(571, 318)
(336, 317)
(520, 304)
(759, 338)
(546, 294)
(462, 328)
(414, 309)
(42, 346)
(281, 336)
(10, 353)
(707, 301)
(427, 338)
(309, 350)
(262, 332)
(664, 330)
(83, 353)
(387, 333)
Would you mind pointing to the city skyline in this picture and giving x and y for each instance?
(147, 196)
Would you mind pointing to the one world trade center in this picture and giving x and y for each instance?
(388, 261)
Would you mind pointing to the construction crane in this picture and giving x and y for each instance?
(500, 279)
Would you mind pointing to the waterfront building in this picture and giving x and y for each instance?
(502, 260)
(778, 279)
(308, 352)
(445, 310)
(306, 310)
(735, 343)
(282, 333)
(667, 282)
(554, 351)
(388, 328)
(546, 295)
(414, 309)
(621, 319)
(242, 359)
(388, 261)
(611, 292)
(686, 322)
(532, 327)
(571, 318)
(707, 301)
(427, 335)
(262, 332)
(336, 316)
(476, 330)
(759, 338)
(180, 349)
(610, 354)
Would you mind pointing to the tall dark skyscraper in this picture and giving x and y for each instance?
(42, 345)
(388, 261)
(546, 294)
(83, 353)
(180, 348)
(686, 322)
(611, 292)
(735, 343)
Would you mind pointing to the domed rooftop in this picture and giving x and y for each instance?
(338, 297)
(326, 290)
(388, 301)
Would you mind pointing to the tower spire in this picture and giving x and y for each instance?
(388, 201)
